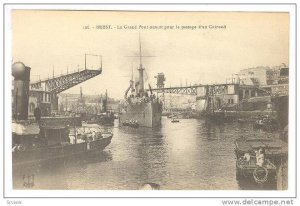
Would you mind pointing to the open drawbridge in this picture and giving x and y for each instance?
(61, 83)
(46, 91)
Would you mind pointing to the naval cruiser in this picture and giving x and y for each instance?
(141, 107)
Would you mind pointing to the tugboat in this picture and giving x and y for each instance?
(105, 117)
(140, 107)
(34, 143)
(34, 140)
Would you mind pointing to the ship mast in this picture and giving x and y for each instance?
(141, 70)
(140, 85)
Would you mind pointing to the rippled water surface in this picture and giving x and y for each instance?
(191, 154)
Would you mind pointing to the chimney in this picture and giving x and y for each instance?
(21, 75)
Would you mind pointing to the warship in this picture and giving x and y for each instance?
(141, 107)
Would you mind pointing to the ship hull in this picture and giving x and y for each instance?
(145, 114)
(55, 152)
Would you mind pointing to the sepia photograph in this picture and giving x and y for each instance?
(149, 100)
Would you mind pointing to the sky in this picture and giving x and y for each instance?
(195, 51)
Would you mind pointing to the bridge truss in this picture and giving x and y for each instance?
(61, 83)
(190, 90)
(208, 90)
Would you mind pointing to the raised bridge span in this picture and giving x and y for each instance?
(47, 89)
(61, 83)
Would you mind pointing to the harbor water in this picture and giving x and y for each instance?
(194, 154)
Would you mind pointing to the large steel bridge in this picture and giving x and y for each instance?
(48, 89)
(199, 90)
(221, 94)
(61, 83)
(189, 90)
(52, 86)
(215, 95)
(202, 90)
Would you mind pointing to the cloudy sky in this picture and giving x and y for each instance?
(45, 40)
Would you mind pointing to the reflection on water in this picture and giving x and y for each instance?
(192, 154)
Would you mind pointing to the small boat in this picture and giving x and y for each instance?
(241, 120)
(126, 123)
(266, 123)
(131, 123)
(134, 125)
(34, 143)
(248, 168)
(91, 121)
(171, 116)
(102, 119)
(174, 120)
(247, 165)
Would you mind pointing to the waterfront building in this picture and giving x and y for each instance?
(254, 76)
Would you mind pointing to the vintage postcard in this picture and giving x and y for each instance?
(147, 99)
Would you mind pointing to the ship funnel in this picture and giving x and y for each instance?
(21, 74)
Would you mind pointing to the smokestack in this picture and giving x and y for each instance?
(21, 75)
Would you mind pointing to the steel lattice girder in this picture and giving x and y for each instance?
(210, 90)
(62, 83)
(191, 90)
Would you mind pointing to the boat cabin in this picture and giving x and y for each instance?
(55, 135)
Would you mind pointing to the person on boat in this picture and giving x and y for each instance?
(260, 157)
(247, 157)
(79, 138)
(37, 114)
(94, 135)
(72, 139)
(136, 123)
(127, 122)
(90, 139)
